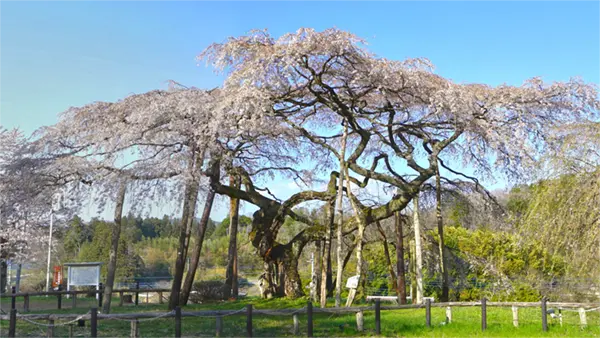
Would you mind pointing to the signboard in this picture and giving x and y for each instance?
(352, 282)
(83, 274)
(57, 279)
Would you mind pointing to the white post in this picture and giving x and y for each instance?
(582, 317)
(49, 252)
(69, 282)
(515, 312)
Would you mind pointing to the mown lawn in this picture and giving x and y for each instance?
(466, 322)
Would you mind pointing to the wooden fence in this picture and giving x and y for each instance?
(93, 316)
(73, 295)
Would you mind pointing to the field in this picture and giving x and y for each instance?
(466, 322)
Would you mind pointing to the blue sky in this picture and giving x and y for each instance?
(60, 54)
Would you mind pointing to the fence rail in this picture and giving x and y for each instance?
(73, 293)
(248, 311)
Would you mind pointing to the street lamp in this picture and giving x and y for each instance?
(56, 197)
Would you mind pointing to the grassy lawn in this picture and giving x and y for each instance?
(466, 322)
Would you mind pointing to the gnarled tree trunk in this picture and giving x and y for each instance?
(418, 252)
(189, 205)
(340, 213)
(199, 240)
(359, 238)
(326, 271)
(114, 247)
(388, 258)
(231, 278)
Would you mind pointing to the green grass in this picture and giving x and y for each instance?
(466, 322)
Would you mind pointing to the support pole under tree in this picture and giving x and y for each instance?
(401, 275)
(49, 251)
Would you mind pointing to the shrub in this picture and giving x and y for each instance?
(207, 290)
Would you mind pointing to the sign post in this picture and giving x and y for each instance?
(352, 284)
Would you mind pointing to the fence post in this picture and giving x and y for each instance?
(377, 316)
(483, 314)
(94, 322)
(160, 298)
(50, 331)
(73, 300)
(360, 324)
(59, 299)
(71, 330)
(26, 303)
(296, 324)
(582, 318)
(448, 315)
(12, 326)
(100, 295)
(137, 292)
(249, 320)
(428, 312)
(135, 329)
(515, 312)
(177, 321)
(219, 325)
(544, 314)
(560, 316)
(13, 298)
(120, 298)
(309, 320)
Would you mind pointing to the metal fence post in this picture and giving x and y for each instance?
(100, 295)
(94, 322)
(13, 298)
